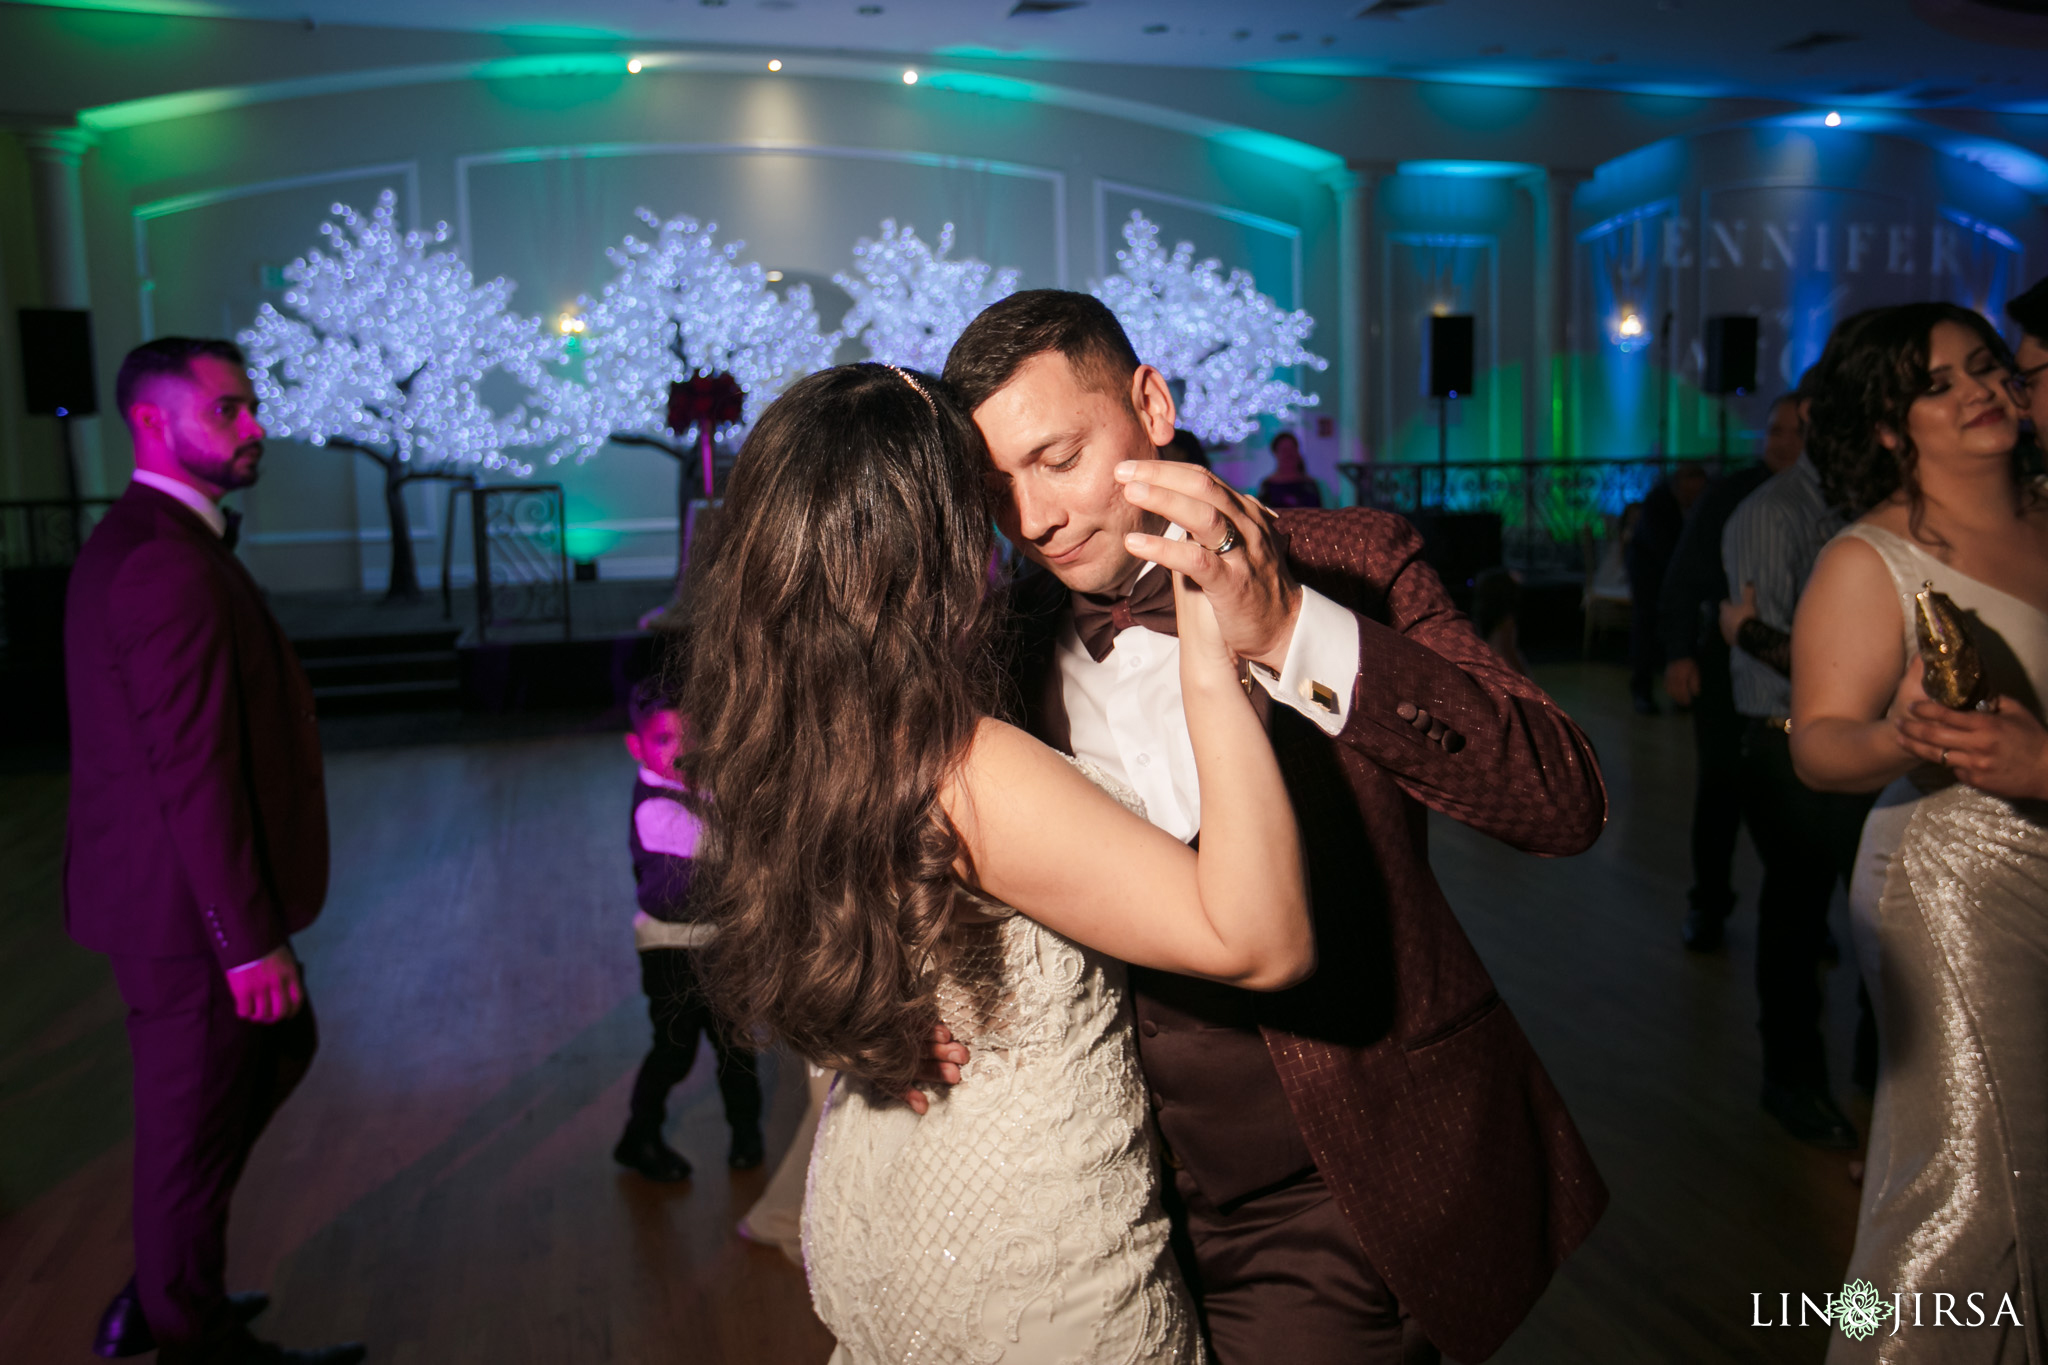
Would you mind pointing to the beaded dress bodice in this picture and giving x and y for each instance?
(1018, 1220)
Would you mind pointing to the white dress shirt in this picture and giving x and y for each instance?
(1124, 714)
(208, 510)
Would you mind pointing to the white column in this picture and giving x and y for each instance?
(1353, 187)
(54, 155)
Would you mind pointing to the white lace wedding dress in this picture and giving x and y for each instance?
(1019, 1220)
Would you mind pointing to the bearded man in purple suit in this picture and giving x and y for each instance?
(1371, 1166)
(197, 842)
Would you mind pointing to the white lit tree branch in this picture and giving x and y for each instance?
(1217, 334)
(910, 303)
(681, 305)
(383, 347)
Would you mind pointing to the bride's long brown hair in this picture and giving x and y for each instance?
(841, 652)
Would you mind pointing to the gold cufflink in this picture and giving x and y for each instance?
(1314, 692)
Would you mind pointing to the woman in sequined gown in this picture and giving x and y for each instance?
(1914, 419)
(883, 856)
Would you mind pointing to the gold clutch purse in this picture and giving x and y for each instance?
(1952, 672)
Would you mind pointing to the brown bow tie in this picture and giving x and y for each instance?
(1097, 619)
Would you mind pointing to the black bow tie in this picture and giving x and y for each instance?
(1097, 619)
(232, 533)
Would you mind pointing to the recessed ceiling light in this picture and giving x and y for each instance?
(775, 63)
(1287, 37)
(1833, 120)
(634, 66)
(774, 277)
(910, 78)
(1155, 28)
(868, 9)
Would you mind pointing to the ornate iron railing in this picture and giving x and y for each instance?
(1550, 510)
(46, 532)
(521, 534)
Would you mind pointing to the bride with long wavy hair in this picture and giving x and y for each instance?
(1915, 430)
(884, 855)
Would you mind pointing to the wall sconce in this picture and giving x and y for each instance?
(1629, 332)
(571, 325)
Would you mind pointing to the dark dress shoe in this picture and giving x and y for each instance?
(642, 1149)
(125, 1332)
(1810, 1114)
(748, 1150)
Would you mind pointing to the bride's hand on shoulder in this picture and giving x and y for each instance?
(2003, 750)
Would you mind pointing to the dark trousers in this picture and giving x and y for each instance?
(1281, 1277)
(1807, 840)
(676, 1007)
(206, 1084)
(1717, 796)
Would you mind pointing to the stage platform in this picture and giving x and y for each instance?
(367, 656)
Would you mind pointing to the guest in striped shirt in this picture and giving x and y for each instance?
(1806, 839)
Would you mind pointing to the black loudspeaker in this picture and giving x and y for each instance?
(56, 362)
(1450, 355)
(1731, 354)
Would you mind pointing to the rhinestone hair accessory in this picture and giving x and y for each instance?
(907, 378)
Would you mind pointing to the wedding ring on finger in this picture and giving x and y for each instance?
(1944, 758)
(1228, 543)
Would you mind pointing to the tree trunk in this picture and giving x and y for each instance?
(405, 569)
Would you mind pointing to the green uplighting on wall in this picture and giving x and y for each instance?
(618, 66)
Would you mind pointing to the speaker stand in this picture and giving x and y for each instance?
(67, 446)
(1443, 450)
(1724, 431)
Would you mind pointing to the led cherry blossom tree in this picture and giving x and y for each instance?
(383, 347)
(1218, 334)
(910, 303)
(682, 306)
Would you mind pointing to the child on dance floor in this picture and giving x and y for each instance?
(664, 839)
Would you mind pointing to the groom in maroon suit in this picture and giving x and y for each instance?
(1371, 1166)
(197, 842)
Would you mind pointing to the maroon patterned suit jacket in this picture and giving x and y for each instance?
(198, 807)
(1410, 1084)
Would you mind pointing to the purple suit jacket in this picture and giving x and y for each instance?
(198, 809)
(1407, 1080)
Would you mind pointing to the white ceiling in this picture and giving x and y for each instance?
(1972, 53)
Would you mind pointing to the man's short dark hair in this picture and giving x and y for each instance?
(648, 699)
(2030, 311)
(1030, 323)
(168, 355)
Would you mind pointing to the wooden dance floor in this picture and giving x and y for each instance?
(441, 1187)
